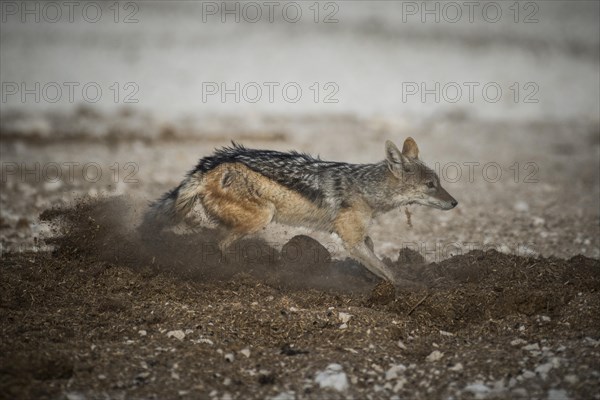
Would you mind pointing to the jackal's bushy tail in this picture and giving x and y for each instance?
(172, 206)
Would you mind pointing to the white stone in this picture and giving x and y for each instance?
(527, 374)
(531, 347)
(517, 342)
(435, 355)
(543, 369)
(394, 372)
(285, 396)
(558, 394)
(477, 388)
(344, 317)
(399, 385)
(456, 367)
(572, 379)
(333, 377)
(178, 334)
(245, 352)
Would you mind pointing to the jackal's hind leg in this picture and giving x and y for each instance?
(241, 221)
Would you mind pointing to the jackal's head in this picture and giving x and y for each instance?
(414, 181)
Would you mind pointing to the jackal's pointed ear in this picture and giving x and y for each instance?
(396, 161)
(392, 153)
(410, 149)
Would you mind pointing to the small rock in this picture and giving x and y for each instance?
(229, 357)
(517, 342)
(456, 367)
(478, 389)
(142, 332)
(344, 317)
(444, 333)
(394, 372)
(399, 385)
(285, 396)
(520, 393)
(142, 376)
(572, 379)
(401, 345)
(178, 334)
(245, 352)
(344, 326)
(531, 347)
(558, 394)
(538, 221)
(543, 369)
(333, 377)
(527, 374)
(435, 355)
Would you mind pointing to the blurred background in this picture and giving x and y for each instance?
(122, 98)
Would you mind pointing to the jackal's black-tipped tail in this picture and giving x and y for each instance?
(172, 207)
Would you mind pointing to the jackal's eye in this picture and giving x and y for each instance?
(430, 184)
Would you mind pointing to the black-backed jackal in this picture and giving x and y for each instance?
(244, 189)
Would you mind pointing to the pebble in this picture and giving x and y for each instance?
(399, 385)
(245, 352)
(478, 389)
(142, 332)
(435, 355)
(178, 334)
(572, 379)
(394, 372)
(558, 394)
(333, 377)
(520, 393)
(527, 374)
(531, 347)
(344, 317)
(285, 396)
(517, 342)
(457, 367)
(229, 357)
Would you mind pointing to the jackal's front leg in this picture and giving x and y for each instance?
(351, 226)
